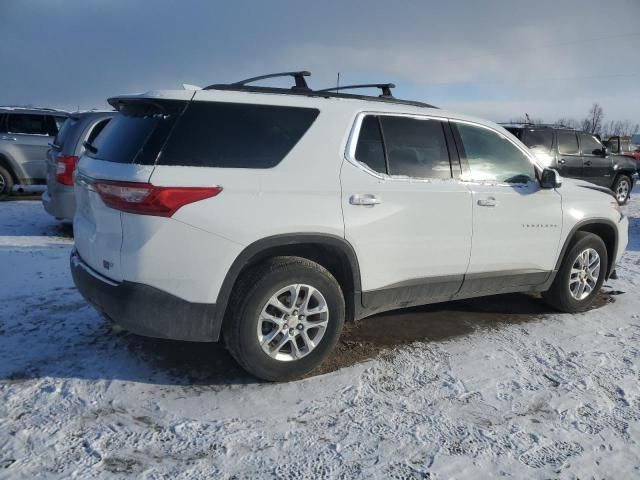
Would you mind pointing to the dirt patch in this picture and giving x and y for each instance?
(369, 337)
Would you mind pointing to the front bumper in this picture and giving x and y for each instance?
(145, 310)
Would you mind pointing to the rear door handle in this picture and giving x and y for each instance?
(366, 200)
(11, 139)
(588, 163)
(487, 202)
(562, 161)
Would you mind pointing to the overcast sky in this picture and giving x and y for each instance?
(492, 58)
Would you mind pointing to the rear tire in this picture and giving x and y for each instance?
(578, 281)
(274, 338)
(6, 183)
(622, 189)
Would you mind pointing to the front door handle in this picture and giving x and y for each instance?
(487, 202)
(588, 163)
(11, 139)
(366, 200)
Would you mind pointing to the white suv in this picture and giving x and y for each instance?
(268, 217)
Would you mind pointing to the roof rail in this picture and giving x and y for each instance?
(301, 88)
(31, 107)
(542, 125)
(301, 83)
(385, 87)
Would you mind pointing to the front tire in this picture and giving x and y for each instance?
(6, 183)
(284, 318)
(622, 189)
(581, 274)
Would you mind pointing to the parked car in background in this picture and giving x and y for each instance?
(577, 154)
(25, 134)
(624, 146)
(62, 157)
(269, 216)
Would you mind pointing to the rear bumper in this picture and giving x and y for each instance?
(60, 203)
(146, 310)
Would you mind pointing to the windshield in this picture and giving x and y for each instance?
(63, 133)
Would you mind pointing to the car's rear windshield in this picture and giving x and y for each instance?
(204, 134)
(538, 139)
(137, 134)
(68, 125)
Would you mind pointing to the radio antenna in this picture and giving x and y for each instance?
(338, 83)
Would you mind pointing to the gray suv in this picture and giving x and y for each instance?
(25, 134)
(63, 156)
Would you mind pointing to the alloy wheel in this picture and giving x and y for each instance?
(622, 192)
(584, 275)
(293, 322)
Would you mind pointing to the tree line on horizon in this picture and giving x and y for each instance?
(593, 123)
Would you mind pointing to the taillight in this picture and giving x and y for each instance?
(148, 199)
(65, 165)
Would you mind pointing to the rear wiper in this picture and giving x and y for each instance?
(90, 147)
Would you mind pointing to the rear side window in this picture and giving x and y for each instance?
(235, 135)
(137, 134)
(568, 143)
(416, 148)
(27, 124)
(370, 149)
(538, 139)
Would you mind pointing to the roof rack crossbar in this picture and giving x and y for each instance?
(301, 83)
(385, 87)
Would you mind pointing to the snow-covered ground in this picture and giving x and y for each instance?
(549, 396)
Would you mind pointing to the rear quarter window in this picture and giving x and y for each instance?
(235, 135)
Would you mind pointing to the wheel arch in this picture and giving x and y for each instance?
(602, 227)
(7, 165)
(332, 252)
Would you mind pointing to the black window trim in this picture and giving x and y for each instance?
(352, 143)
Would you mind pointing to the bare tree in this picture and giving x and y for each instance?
(567, 122)
(593, 122)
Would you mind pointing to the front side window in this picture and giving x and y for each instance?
(568, 143)
(491, 157)
(27, 124)
(416, 147)
(370, 149)
(590, 145)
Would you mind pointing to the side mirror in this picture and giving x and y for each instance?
(550, 178)
(602, 152)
